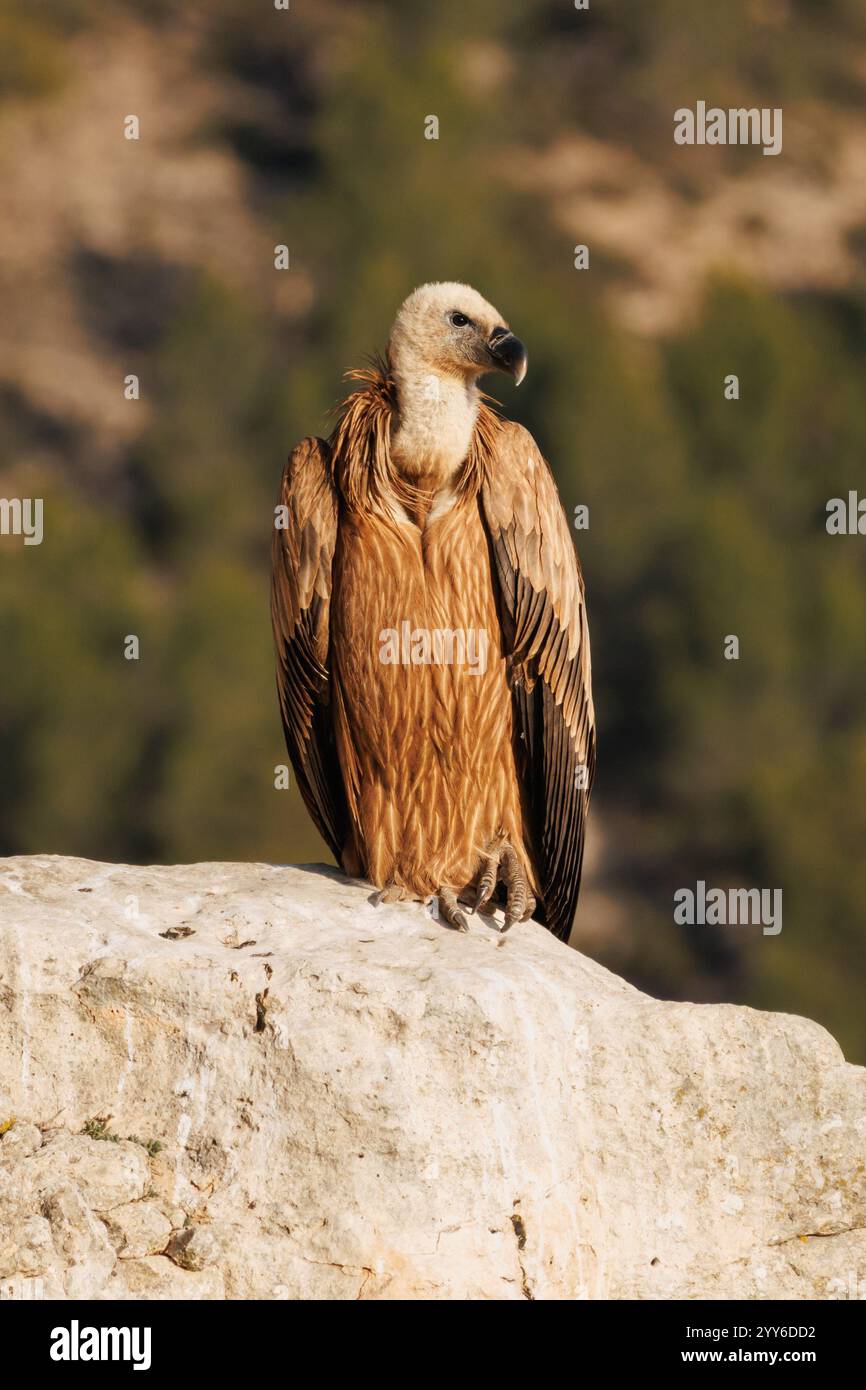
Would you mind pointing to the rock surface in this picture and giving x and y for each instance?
(234, 1080)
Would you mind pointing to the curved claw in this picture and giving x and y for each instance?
(501, 861)
(516, 887)
(450, 911)
(487, 883)
(512, 915)
(391, 893)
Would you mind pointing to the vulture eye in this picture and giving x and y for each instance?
(459, 320)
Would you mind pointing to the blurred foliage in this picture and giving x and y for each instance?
(707, 516)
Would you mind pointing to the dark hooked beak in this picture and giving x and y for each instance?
(508, 354)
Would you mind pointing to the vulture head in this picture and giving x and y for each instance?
(451, 330)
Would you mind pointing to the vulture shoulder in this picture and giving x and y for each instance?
(305, 535)
(546, 638)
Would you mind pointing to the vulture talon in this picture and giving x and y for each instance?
(486, 887)
(391, 893)
(449, 910)
(501, 862)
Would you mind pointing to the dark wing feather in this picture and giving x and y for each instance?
(302, 560)
(547, 642)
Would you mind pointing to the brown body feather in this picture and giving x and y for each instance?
(411, 770)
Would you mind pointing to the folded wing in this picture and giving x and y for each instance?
(547, 642)
(305, 536)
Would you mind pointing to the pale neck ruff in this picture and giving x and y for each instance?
(432, 429)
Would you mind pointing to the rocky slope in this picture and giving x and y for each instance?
(234, 1080)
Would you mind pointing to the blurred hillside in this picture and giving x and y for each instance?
(305, 127)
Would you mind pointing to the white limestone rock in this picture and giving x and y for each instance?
(138, 1229)
(353, 1101)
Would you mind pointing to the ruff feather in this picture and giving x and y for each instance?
(363, 469)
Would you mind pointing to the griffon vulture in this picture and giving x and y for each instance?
(431, 637)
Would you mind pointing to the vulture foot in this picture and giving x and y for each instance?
(501, 863)
(449, 910)
(391, 893)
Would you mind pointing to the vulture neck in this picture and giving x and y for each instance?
(432, 430)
